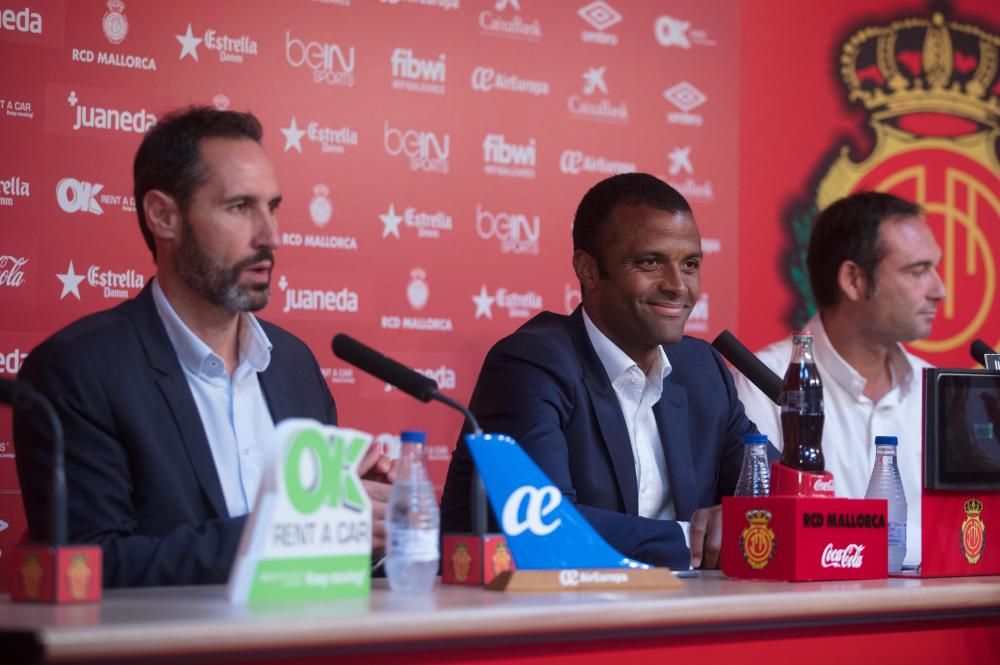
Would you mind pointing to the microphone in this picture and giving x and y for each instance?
(979, 350)
(748, 364)
(417, 385)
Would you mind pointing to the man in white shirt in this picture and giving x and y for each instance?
(872, 266)
(169, 401)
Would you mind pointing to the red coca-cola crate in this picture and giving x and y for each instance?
(804, 538)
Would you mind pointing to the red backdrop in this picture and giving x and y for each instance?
(431, 154)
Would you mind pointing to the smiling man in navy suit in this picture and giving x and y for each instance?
(169, 400)
(637, 424)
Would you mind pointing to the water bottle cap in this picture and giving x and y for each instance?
(754, 439)
(886, 441)
(413, 436)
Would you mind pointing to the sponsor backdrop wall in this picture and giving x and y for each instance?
(431, 154)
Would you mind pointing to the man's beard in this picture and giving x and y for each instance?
(216, 283)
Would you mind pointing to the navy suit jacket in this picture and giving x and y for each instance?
(141, 480)
(546, 386)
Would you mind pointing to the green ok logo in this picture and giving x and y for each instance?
(336, 480)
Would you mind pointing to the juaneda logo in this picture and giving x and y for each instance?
(973, 531)
(677, 32)
(230, 49)
(594, 104)
(23, 20)
(11, 270)
(99, 117)
(13, 188)
(331, 140)
(851, 556)
(10, 363)
(329, 62)
(115, 27)
(498, 24)
(685, 97)
(444, 376)
(931, 91)
(757, 543)
(601, 16)
(575, 162)
(425, 150)
(511, 160)
(487, 79)
(517, 233)
(518, 305)
(427, 224)
(343, 300)
(681, 175)
(417, 294)
(113, 285)
(417, 74)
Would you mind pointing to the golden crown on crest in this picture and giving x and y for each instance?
(758, 516)
(920, 65)
(973, 507)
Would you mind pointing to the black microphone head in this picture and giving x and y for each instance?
(382, 367)
(979, 349)
(748, 364)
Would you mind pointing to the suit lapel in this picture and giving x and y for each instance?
(176, 392)
(609, 414)
(671, 414)
(276, 393)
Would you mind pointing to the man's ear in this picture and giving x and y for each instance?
(587, 271)
(163, 216)
(852, 281)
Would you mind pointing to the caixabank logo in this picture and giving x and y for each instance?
(931, 87)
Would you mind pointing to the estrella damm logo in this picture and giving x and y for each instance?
(932, 91)
(973, 531)
(322, 470)
(757, 539)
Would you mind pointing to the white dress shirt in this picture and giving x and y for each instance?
(852, 420)
(637, 392)
(234, 413)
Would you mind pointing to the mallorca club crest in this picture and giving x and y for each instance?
(115, 24)
(320, 208)
(931, 89)
(973, 531)
(757, 539)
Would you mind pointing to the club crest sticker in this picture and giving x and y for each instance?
(973, 531)
(757, 539)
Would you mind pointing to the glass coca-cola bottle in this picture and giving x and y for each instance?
(802, 409)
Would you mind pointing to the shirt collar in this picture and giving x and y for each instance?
(900, 366)
(616, 362)
(196, 356)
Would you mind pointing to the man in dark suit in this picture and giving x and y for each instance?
(637, 424)
(169, 399)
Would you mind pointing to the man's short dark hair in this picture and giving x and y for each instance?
(169, 159)
(594, 212)
(848, 230)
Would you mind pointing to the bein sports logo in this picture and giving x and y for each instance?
(526, 509)
(516, 232)
(329, 63)
(425, 150)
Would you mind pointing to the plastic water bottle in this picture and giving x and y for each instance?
(886, 483)
(755, 475)
(413, 523)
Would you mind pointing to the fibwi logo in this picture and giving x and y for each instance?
(498, 22)
(518, 233)
(594, 104)
(417, 295)
(425, 150)
(318, 301)
(973, 531)
(931, 89)
(601, 16)
(698, 321)
(112, 284)
(331, 140)
(681, 175)
(488, 79)
(115, 27)
(24, 20)
(13, 188)
(677, 32)
(427, 224)
(757, 543)
(575, 162)
(330, 63)
(685, 97)
(511, 160)
(109, 119)
(415, 74)
(519, 305)
(230, 49)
